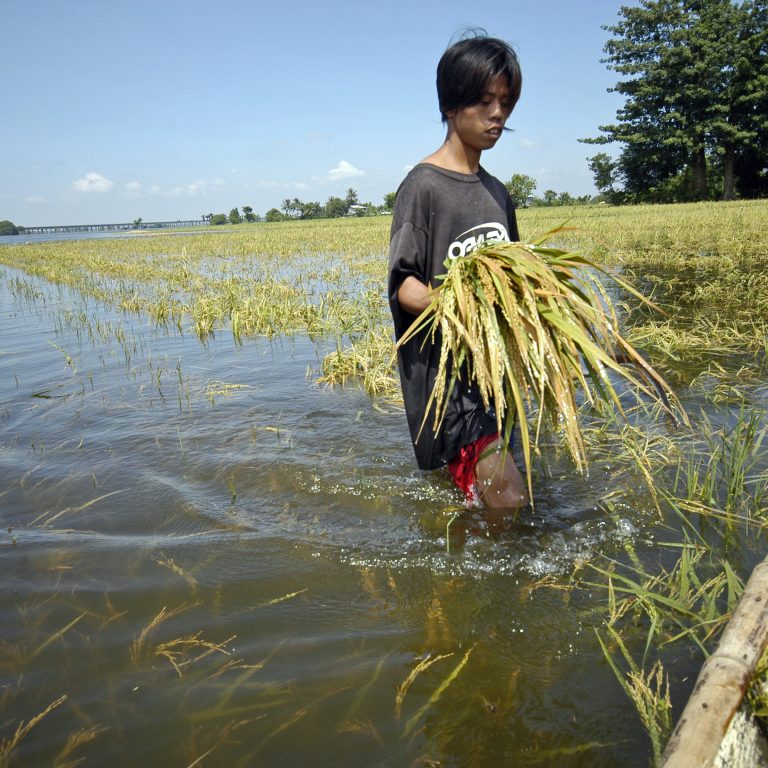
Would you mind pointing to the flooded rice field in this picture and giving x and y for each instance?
(212, 557)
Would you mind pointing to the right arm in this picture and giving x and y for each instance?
(409, 255)
(413, 295)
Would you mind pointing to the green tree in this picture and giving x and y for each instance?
(688, 85)
(520, 188)
(137, 223)
(351, 198)
(248, 214)
(335, 207)
(311, 210)
(8, 228)
(273, 214)
(292, 208)
(217, 219)
(604, 171)
(750, 161)
(234, 216)
(389, 200)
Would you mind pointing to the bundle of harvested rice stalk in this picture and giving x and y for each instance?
(530, 325)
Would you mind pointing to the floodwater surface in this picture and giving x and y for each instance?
(210, 559)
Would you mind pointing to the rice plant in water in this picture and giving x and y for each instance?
(649, 692)
(531, 325)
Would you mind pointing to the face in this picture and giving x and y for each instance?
(479, 126)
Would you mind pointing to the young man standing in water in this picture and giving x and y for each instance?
(445, 207)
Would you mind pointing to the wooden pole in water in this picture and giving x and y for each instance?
(723, 680)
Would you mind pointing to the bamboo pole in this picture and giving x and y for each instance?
(723, 680)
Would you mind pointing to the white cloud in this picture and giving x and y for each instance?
(272, 184)
(344, 170)
(34, 199)
(93, 182)
(185, 190)
(132, 189)
(527, 143)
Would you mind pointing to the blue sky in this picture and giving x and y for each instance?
(115, 110)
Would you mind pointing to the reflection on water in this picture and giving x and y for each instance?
(208, 574)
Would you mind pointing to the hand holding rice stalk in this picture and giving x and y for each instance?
(529, 324)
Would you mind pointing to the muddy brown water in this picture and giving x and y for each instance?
(219, 575)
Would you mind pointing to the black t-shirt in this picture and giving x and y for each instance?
(438, 215)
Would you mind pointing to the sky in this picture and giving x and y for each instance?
(172, 109)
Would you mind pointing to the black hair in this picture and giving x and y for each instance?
(466, 68)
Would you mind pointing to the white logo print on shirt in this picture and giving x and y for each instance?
(473, 238)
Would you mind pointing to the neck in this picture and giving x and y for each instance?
(455, 155)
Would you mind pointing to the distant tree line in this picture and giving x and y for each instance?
(293, 208)
(522, 187)
(694, 125)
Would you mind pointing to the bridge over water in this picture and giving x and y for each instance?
(114, 227)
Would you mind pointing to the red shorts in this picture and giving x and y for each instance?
(462, 468)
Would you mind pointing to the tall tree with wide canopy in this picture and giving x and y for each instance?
(692, 72)
(750, 161)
